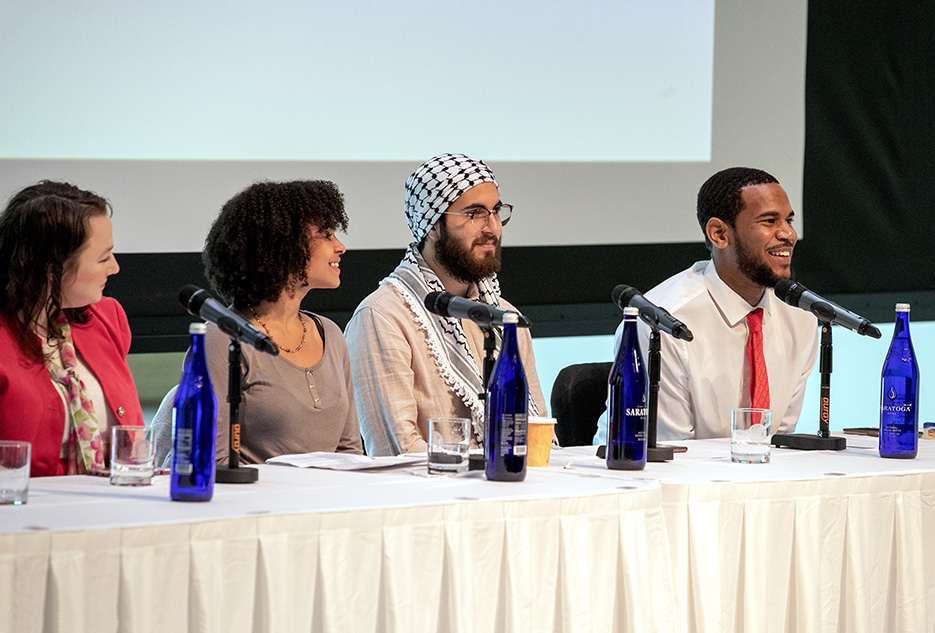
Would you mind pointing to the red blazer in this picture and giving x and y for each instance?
(30, 406)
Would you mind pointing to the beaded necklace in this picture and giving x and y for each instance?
(285, 349)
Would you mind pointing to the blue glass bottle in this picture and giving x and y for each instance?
(899, 396)
(194, 416)
(626, 417)
(507, 408)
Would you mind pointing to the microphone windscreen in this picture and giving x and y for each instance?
(783, 289)
(186, 294)
(437, 302)
(192, 298)
(789, 291)
(623, 295)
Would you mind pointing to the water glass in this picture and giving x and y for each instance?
(449, 443)
(750, 432)
(14, 472)
(132, 452)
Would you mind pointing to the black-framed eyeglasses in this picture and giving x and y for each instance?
(481, 217)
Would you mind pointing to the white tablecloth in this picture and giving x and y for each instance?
(329, 551)
(811, 542)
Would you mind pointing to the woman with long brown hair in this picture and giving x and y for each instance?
(64, 379)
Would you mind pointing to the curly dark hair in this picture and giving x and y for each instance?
(721, 197)
(258, 245)
(42, 231)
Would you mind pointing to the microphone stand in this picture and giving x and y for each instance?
(233, 473)
(823, 441)
(490, 346)
(655, 453)
(476, 460)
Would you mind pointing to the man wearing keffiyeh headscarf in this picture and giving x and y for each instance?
(408, 364)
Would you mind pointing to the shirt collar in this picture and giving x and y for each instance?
(734, 307)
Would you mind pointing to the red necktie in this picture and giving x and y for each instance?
(759, 381)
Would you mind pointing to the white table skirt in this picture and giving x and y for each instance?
(811, 542)
(328, 551)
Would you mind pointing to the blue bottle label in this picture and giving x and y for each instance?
(183, 448)
(636, 419)
(513, 435)
(895, 412)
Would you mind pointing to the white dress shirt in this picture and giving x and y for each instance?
(702, 380)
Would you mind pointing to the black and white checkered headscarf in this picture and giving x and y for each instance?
(432, 188)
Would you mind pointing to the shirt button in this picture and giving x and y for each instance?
(120, 412)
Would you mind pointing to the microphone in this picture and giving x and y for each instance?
(448, 305)
(798, 296)
(201, 304)
(652, 315)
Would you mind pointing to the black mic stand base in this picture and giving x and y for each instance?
(806, 442)
(821, 441)
(653, 453)
(239, 475)
(659, 453)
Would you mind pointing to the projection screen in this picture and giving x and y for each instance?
(600, 119)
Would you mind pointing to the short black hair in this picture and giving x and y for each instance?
(258, 245)
(721, 196)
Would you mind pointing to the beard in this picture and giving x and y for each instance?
(756, 270)
(460, 262)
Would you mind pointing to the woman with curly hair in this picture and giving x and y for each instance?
(270, 245)
(64, 379)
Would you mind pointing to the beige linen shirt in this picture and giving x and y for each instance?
(397, 386)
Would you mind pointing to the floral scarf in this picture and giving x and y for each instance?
(85, 432)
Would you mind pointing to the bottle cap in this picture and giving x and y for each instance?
(197, 328)
(628, 311)
(511, 317)
(902, 307)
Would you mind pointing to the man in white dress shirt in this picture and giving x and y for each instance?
(749, 348)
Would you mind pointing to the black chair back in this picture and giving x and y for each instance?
(579, 397)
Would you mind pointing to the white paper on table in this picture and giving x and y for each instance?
(347, 461)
